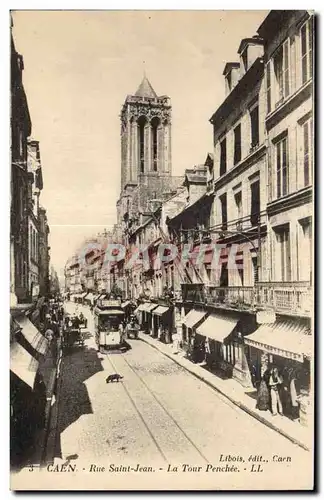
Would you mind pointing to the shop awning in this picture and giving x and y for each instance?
(193, 317)
(22, 364)
(217, 327)
(140, 308)
(32, 335)
(110, 312)
(283, 338)
(160, 310)
(150, 307)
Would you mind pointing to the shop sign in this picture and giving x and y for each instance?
(110, 303)
(268, 317)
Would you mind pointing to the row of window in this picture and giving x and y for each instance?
(282, 180)
(281, 258)
(237, 192)
(281, 169)
(291, 65)
(237, 136)
(281, 80)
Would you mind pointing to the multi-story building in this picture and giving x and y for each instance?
(43, 252)
(258, 303)
(20, 131)
(288, 58)
(289, 127)
(240, 176)
(35, 186)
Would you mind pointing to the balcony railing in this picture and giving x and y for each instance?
(243, 297)
(285, 298)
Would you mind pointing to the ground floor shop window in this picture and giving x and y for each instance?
(282, 384)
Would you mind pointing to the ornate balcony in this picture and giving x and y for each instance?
(287, 297)
(291, 298)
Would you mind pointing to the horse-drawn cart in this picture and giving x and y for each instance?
(71, 337)
(73, 334)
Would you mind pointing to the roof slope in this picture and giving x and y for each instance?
(145, 89)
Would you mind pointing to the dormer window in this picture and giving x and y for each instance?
(231, 73)
(244, 57)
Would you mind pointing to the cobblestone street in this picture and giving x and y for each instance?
(159, 414)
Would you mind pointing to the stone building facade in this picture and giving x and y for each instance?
(20, 131)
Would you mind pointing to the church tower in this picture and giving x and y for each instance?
(145, 137)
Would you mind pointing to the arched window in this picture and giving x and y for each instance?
(141, 142)
(154, 124)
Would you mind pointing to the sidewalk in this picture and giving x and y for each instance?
(237, 394)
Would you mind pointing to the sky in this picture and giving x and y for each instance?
(79, 68)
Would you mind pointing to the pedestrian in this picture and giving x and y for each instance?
(254, 375)
(263, 396)
(294, 389)
(275, 382)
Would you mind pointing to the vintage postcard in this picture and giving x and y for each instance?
(161, 299)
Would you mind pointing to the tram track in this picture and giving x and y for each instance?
(139, 414)
(162, 407)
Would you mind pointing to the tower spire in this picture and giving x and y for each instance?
(145, 89)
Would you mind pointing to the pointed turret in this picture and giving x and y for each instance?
(145, 89)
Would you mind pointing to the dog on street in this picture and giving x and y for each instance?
(114, 377)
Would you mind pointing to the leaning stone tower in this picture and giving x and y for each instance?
(145, 137)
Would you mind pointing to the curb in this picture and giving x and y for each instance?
(234, 401)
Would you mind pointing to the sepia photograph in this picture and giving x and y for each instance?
(161, 250)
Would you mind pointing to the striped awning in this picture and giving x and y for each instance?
(193, 317)
(287, 339)
(148, 306)
(217, 327)
(160, 310)
(22, 364)
(32, 335)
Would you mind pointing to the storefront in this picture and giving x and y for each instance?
(218, 334)
(286, 345)
(191, 321)
(147, 316)
(162, 323)
(139, 312)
